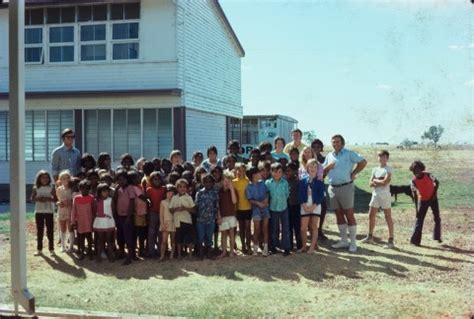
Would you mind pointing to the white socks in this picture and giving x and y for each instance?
(63, 241)
(343, 232)
(353, 233)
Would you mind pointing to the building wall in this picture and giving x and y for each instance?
(156, 67)
(205, 129)
(209, 64)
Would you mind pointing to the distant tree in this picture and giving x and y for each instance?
(406, 143)
(309, 136)
(433, 134)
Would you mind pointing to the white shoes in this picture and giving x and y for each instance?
(341, 244)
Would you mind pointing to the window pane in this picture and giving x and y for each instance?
(94, 52)
(36, 16)
(150, 133)
(117, 11)
(125, 51)
(165, 132)
(132, 10)
(68, 14)
(134, 133)
(39, 135)
(93, 32)
(33, 54)
(53, 15)
(34, 35)
(120, 133)
(29, 135)
(91, 134)
(100, 13)
(3, 136)
(85, 13)
(61, 34)
(104, 136)
(61, 54)
(125, 31)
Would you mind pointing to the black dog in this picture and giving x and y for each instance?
(401, 189)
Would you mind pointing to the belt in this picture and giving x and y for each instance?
(340, 185)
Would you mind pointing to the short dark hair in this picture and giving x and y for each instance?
(101, 187)
(209, 177)
(251, 172)
(417, 165)
(84, 183)
(92, 172)
(265, 146)
(67, 131)
(278, 138)
(343, 141)
(384, 153)
(276, 166)
(293, 166)
(211, 148)
(133, 177)
(317, 141)
(154, 174)
(233, 143)
(294, 149)
(148, 168)
(126, 156)
(102, 158)
(87, 157)
(297, 130)
(197, 154)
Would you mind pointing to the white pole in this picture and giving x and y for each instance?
(16, 103)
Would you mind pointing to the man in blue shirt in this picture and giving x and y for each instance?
(339, 168)
(66, 156)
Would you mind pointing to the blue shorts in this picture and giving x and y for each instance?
(259, 214)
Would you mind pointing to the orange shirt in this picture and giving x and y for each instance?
(156, 195)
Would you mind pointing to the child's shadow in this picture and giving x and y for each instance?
(58, 263)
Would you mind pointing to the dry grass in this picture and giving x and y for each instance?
(430, 281)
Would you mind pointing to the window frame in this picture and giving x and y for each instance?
(95, 42)
(123, 41)
(37, 45)
(62, 44)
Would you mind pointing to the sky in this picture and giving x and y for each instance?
(374, 71)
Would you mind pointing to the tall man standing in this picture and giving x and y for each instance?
(339, 167)
(296, 136)
(66, 156)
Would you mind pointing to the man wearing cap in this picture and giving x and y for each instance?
(339, 168)
(66, 156)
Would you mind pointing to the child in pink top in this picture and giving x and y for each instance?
(123, 207)
(83, 211)
(140, 210)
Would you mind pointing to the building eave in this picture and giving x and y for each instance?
(229, 28)
(97, 93)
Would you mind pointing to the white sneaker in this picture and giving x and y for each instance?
(353, 247)
(389, 245)
(341, 244)
(38, 253)
(265, 253)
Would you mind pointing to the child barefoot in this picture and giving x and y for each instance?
(83, 211)
(44, 196)
(64, 203)
(167, 227)
(104, 224)
(227, 202)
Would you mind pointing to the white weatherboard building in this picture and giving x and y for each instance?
(142, 77)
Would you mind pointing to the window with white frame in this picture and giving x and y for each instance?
(61, 44)
(125, 44)
(85, 33)
(128, 126)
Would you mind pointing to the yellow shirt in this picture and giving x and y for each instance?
(181, 216)
(240, 185)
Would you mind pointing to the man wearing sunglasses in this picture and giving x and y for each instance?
(66, 156)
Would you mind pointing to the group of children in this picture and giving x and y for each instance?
(171, 208)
